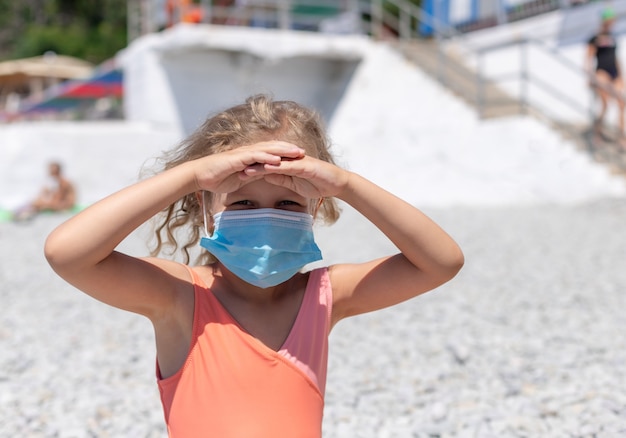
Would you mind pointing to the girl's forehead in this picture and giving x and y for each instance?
(260, 189)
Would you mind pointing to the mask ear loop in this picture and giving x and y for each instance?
(203, 202)
(317, 207)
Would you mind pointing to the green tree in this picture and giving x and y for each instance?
(93, 30)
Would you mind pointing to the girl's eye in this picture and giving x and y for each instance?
(291, 206)
(244, 202)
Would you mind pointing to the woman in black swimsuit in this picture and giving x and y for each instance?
(607, 78)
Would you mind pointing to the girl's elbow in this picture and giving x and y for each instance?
(55, 252)
(453, 264)
(459, 260)
(51, 251)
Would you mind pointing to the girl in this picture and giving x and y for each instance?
(242, 338)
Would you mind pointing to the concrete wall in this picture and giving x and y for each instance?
(394, 125)
(203, 81)
(178, 77)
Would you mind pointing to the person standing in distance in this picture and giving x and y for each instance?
(605, 75)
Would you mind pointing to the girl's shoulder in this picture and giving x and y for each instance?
(170, 267)
(176, 274)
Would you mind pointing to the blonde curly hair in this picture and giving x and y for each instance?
(260, 118)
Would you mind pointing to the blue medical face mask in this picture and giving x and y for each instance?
(263, 246)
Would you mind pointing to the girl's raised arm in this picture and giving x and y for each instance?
(428, 255)
(82, 250)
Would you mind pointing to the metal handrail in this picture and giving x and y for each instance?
(526, 78)
(531, 79)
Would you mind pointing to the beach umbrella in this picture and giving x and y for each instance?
(75, 93)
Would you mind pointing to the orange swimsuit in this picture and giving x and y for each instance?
(233, 385)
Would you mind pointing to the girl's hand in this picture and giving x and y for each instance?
(307, 176)
(226, 172)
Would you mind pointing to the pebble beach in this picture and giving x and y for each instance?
(529, 340)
